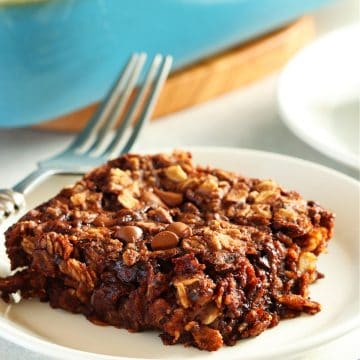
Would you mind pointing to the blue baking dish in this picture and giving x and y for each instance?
(60, 55)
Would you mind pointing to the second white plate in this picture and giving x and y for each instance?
(318, 95)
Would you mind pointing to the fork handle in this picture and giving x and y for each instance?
(10, 201)
(37, 176)
(13, 199)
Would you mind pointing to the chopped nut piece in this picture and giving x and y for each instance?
(288, 214)
(79, 198)
(307, 262)
(315, 238)
(208, 187)
(194, 243)
(134, 163)
(266, 185)
(207, 338)
(86, 199)
(170, 198)
(263, 210)
(190, 183)
(190, 325)
(119, 177)
(176, 173)
(215, 242)
(224, 241)
(130, 257)
(127, 200)
(244, 211)
(266, 196)
(134, 188)
(236, 196)
(118, 173)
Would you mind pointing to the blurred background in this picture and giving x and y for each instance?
(245, 73)
(260, 69)
(274, 75)
(60, 56)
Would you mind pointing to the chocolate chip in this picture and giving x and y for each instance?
(164, 240)
(180, 229)
(129, 233)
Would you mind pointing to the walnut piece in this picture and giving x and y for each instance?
(266, 196)
(236, 196)
(175, 173)
(221, 241)
(208, 187)
(127, 200)
(307, 262)
(120, 177)
(266, 185)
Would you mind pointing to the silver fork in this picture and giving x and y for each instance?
(98, 142)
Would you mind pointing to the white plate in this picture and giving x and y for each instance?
(319, 93)
(57, 333)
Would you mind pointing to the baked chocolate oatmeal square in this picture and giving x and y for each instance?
(203, 255)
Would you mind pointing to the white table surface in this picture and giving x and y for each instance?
(246, 118)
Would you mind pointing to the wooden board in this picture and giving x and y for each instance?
(216, 75)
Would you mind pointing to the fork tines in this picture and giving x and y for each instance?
(98, 138)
